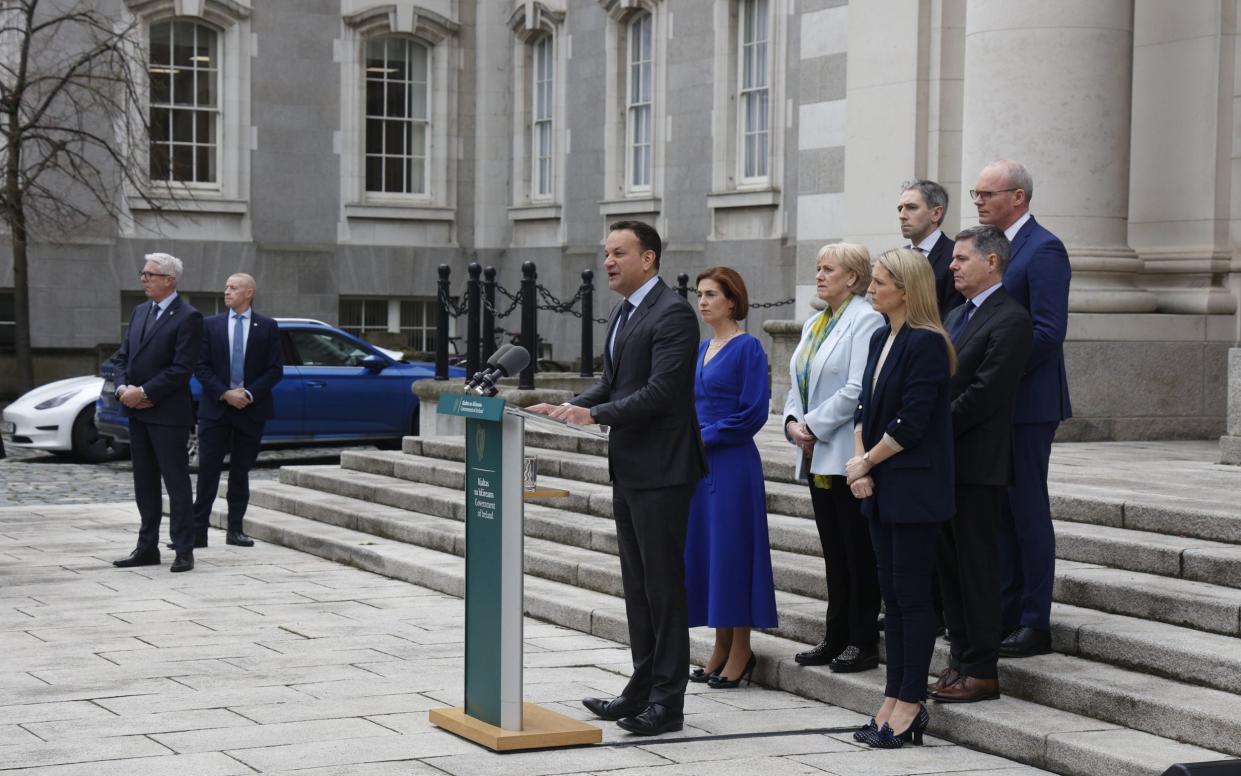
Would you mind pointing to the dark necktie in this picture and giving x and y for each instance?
(626, 309)
(147, 324)
(962, 321)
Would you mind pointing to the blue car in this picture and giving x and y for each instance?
(336, 388)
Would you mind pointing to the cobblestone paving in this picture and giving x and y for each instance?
(36, 477)
(266, 660)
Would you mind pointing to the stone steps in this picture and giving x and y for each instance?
(1066, 681)
(1039, 735)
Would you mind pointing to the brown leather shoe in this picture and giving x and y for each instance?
(948, 678)
(969, 689)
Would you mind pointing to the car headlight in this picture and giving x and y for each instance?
(55, 401)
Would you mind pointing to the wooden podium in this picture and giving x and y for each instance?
(494, 714)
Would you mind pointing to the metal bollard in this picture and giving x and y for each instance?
(472, 296)
(683, 285)
(489, 313)
(588, 324)
(441, 325)
(529, 333)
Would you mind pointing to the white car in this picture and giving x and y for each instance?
(60, 417)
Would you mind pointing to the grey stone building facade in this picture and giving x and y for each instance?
(341, 150)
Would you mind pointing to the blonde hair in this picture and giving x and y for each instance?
(852, 258)
(912, 272)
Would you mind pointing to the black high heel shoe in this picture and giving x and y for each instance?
(885, 738)
(723, 683)
(864, 731)
(701, 675)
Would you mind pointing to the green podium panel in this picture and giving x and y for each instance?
(493, 559)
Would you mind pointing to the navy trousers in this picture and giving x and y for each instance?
(159, 453)
(1027, 542)
(240, 440)
(905, 554)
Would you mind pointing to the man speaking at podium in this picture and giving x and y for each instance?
(655, 460)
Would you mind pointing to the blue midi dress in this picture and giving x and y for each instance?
(728, 576)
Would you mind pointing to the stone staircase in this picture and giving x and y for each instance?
(1147, 669)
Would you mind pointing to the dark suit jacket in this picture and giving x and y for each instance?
(264, 367)
(646, 394)
(991, 357)
(1038, 277)
(161, 362)
(910, 402)
(945, 291)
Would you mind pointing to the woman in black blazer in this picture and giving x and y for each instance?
(903, 469)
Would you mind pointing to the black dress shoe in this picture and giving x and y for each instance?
(819, 655)
(655, 720)
(855, 659)
(617, 708)
(1026, 642)
(184, 562)
(239, 539)
(138, 558)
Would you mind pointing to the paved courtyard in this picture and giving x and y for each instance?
(268, 660)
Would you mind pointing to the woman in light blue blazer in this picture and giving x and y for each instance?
(826, 379)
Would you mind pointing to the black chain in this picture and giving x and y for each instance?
(515, 299)
(781, 303)
(453, 310)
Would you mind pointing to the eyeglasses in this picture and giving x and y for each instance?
(986, 196)
(149, 275)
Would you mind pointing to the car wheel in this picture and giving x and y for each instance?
(89, 445)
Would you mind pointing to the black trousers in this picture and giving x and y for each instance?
(650, 534)
(969, 578)
(905, 553)
(158, 453)
(852, 582)
(240, 441)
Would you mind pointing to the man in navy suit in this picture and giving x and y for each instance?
(1038, 277)
(242, 360)
(153, 369)
(921, 211)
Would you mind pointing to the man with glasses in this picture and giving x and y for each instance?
(1038, 277)
(153, 369)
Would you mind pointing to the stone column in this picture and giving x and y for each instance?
(1230, 442)
(1049, 84)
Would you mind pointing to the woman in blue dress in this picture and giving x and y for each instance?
(727, 557)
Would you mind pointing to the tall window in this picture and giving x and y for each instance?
(639, 118)
(397, 116)
(184, 71)
(544, 94)
(754, 79)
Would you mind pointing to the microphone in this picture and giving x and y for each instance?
(491, 362)
(510, 363)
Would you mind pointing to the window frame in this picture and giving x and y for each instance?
(745, 93)
(543, 118)
(426, 123)
(644, 105)
(215, 112)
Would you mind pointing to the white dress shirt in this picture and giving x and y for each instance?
(634, 299)
(1015, 227)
